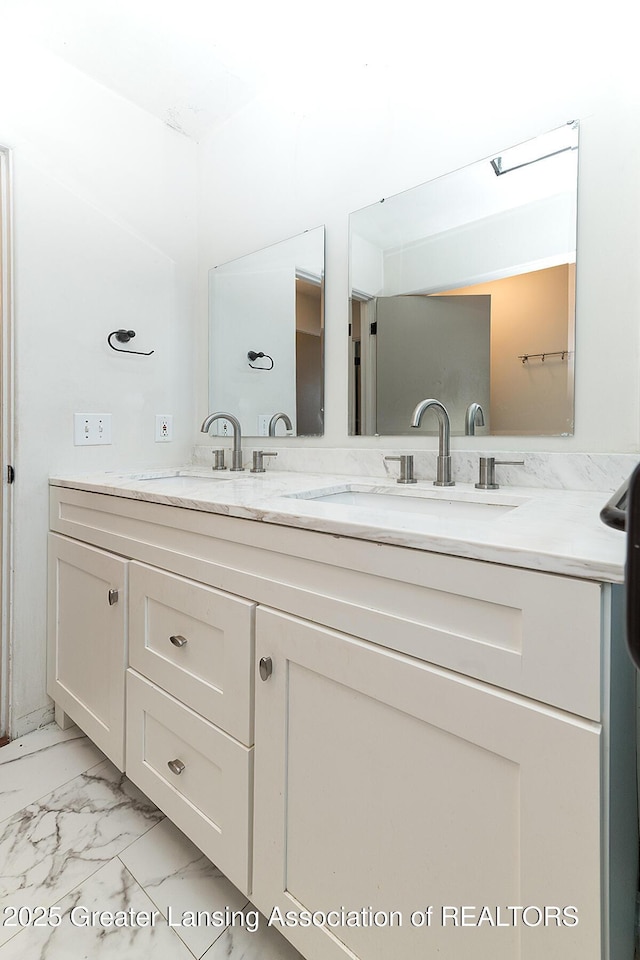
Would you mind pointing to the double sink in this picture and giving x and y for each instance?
(457, 504)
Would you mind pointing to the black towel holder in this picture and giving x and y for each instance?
(252, 355)
(123, 336)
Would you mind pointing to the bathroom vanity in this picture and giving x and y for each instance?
(416, 725)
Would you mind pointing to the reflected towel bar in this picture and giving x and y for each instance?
(533, 356)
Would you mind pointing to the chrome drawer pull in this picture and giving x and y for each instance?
(266, 667)
(178, 641)
(113, 597)
(176, 766)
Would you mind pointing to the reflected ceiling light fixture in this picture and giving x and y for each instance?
(527, 153)
(499, 168)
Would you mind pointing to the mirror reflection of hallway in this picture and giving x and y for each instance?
(309, 380)
(472, 232)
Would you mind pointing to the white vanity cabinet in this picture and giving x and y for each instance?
(430, 731)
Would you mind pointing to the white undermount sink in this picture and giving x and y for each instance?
(443, 504)
(185, 480)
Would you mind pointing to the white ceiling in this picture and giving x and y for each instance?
(195, 63)
(192, 63)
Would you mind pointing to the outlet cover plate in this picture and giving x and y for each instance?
(222, 428)
(164, 427)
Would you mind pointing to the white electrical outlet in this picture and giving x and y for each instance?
(91, 429)
(263, 424)
(222, 428)
(164, 427)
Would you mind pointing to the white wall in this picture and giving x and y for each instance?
(104, 237)
(334, 143)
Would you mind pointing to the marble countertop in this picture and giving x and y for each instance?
(558, 531)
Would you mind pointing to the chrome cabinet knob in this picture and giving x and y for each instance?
(178, 641)
(176, 766)
(266, 667)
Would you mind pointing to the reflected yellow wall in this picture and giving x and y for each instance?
(531, 313)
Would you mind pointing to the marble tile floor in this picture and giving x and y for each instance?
(78, 840)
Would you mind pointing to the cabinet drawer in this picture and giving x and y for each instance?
(195, 642)
(209, 799)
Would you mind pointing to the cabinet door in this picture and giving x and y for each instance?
(385, 784)
(87, 650)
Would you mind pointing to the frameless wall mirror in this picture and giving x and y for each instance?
(266, 338)
(463, 289)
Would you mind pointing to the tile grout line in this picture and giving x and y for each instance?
(51, 746)
(55, 902)
(58, 786)
(144, 833)
(99, 865)
(147, 894)
(156, 904)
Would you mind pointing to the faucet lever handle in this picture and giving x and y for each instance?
(487, 471)
(258, 460)
(406, 468)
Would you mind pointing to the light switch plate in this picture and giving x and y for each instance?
(91, 429)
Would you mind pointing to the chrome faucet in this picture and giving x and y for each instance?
(443, 463)
(274, 419)
(474, 417)
(236, 456)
